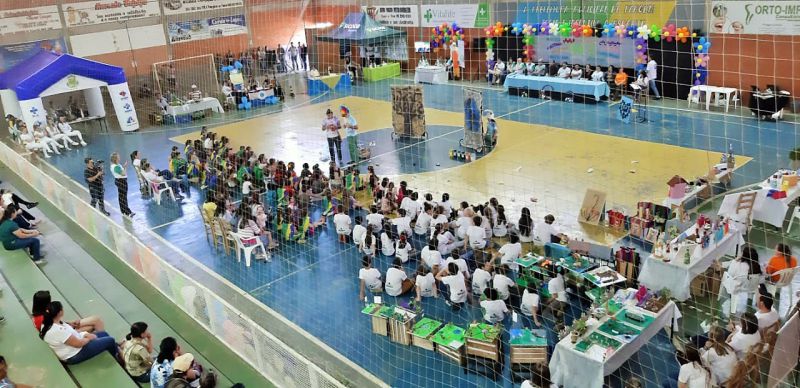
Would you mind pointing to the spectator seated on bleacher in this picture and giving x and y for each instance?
(136, 352)
(181, 367)
(6, 382)
(41, 300)
(14, 237)
(69, 345)
(164, 367)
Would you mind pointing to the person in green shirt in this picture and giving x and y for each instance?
(351, 131)
(13, 237)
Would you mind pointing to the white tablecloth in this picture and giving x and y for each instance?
(573, 369)
(190, 107)
(696, 189)
(430, 75)
(676, 276)
(765, 209)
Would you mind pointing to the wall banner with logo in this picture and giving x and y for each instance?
(99, 12)
(755, 17)
(465, 15)
(593, 51)
(12, 54)
(394, 15)
(206, 28)
(175, 7)
(616, 11)
(29, 20)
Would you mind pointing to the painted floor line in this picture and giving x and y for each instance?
(522, 109)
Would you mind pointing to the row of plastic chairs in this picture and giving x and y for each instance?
(220, 234)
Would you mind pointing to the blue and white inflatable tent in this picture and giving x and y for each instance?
(46, 73)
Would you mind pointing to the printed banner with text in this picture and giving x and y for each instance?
(12, 54)
(593, 51)
(465, 15)
(206, 28)
(175, 7)
(616, 11)
(755, 17)
(98, 12)
(29, 20)
(394, 15)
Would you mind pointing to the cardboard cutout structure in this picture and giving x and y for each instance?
(45, 74)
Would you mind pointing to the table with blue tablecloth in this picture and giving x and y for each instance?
(587, 87)
(335, 82)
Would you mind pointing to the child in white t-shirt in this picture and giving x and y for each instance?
(510, 252)
(503, 283)
(402, 223)
(494, 309)
(375, 219)
(369, 278)
(481, 278)
(369, 243)
(529, 305)
(358, 232)
(387, 240)
(403, 249)
(425, 284)
(451, 276)
(476, 235)
(342, 222)
(558, 292)
(432, 258)
(397, 283)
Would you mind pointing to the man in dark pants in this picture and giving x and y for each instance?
(94, 178)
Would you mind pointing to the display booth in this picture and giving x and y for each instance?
(46, 74)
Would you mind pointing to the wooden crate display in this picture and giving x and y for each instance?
(423, 331)
(528, 346)
(449, 342)
(483, 340)
(400, 323)
(380, 317)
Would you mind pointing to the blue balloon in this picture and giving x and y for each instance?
(237, 65)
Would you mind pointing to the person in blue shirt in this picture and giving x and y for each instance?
(351, 132)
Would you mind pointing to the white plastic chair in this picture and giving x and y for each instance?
(784, 285)
(158, 188)
(253, 243)
(795, 214)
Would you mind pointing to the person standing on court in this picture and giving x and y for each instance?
(121, 181)
(94, 178)
(652, 75)
(351, 132)
(331, 126)
(293, 55)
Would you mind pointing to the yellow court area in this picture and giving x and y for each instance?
(530, 160)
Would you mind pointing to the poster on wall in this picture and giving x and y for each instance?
(29, 20)
(616, 11)
(755, 17)
(12, 54)
(99, 12)
(206, 28)
(593, 51)
(114, 41)
(465, 15)
(394, 15)
(175, 7)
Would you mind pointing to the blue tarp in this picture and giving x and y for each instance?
(32, 76)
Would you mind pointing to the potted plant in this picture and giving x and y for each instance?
(794, 156)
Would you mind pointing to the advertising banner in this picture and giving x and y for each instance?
(206, 28)
(593, 51)
(591, 12)
(465, 15)
(123, 106)
(29, 20)
(12, 54)
(394, 15)
(99, 12)
(175, 7)
(755, 17)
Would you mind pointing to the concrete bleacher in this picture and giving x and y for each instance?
(86, 288)
(29, 359)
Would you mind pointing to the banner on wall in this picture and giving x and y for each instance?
(591, 12)
(206, 28)
(12, 54)
(394, 15)
(113, 41)
(30, 20)
(755, 17)
(587, 50)
(175, 7)
(465, 15)
(99, 12)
